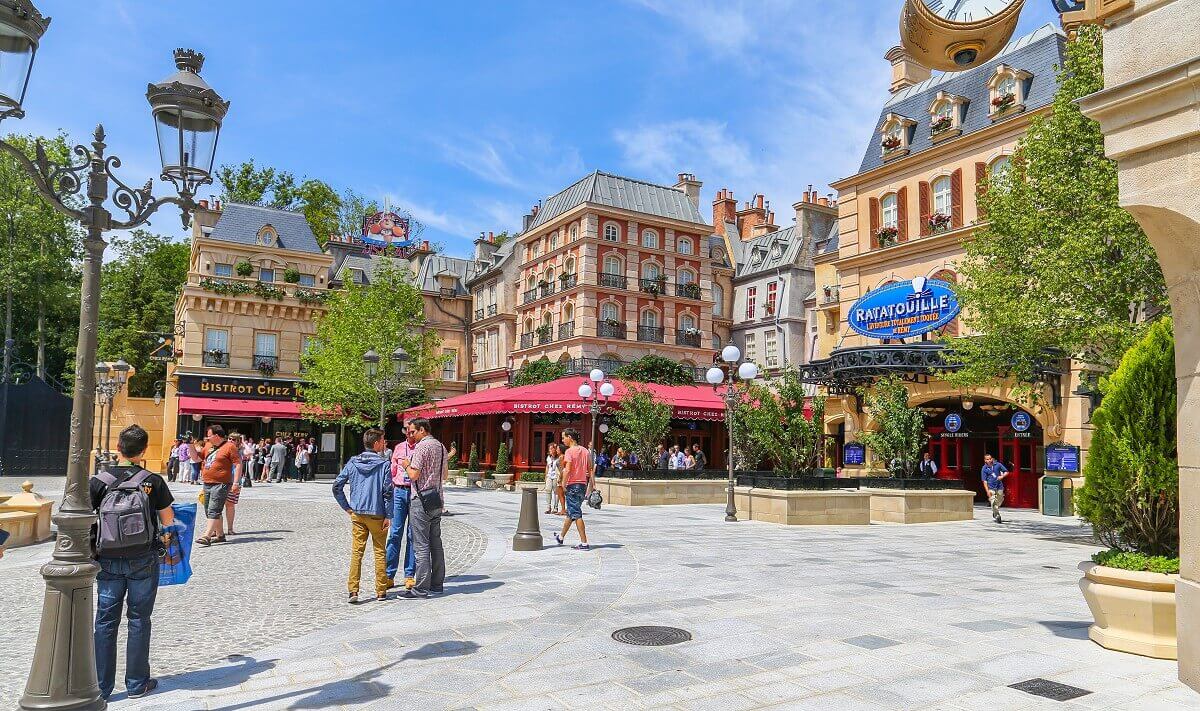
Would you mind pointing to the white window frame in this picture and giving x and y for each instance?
(450, 369)
(612, 233)
(890, 210)
(615, 259)
(751, 347)
(610, 310)
(214, 343)
(307, 280)
(649, 239)
(223, 270)
(262, 271)
(264, 337)
(943, 199)
(686, 321)
(654, 317)
(686, 275)
(718, 297)
(685, 245)
(651, 266)
(771, 346)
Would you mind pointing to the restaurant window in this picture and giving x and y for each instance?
(307, 280)
(265, 344)
(771, 344)
(216, 339)
(751, 295)
(450, 364)
(266, 275)
(771, 294)
(751, 348)
(223, 270)
(612, 233)
(718, 295)
(649, 239)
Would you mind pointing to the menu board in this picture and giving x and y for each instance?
(854, 453)
(1062, 458)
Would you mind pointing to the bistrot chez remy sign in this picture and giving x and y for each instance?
(904, 309)
(242, 388)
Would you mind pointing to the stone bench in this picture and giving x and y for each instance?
(804, 507)
(921, 506)
(26, 516)
(658, 492)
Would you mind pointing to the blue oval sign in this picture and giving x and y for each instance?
(904, 309)
(1021, 421)
(953, 422)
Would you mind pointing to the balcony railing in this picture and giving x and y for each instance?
(614, 281)
(567, 282)
(688, 290)
(478, 314)
(653, 286)
(527, 340)
(266, 363)
(545, 290)
(491, 309)
(545, 337)
(566, 330)
(611, 330)
(216, 359)
(831, 295)
(529, 296)
(650, 334)
(685, 338)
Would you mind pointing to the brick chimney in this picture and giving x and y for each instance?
(688, 185)
(751, 216)
(485, 247)
(906, 71)
(724, 210)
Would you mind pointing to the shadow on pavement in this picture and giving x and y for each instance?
(1070, 629)
(222, 678)
(472, 588)
(244, 538)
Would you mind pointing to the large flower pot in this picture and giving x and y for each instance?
(1134, 611)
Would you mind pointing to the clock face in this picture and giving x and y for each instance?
(964, 11)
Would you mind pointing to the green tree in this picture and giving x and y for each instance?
(40, 273)
(254, 185)
(658, 370)
(772, 424)
(138, 290)
(473, 459)
(1058, 265)
(640, 424)
(353, 208)
(379, 316)
(900, 437)
(542, 370)
(502, 238)
(1131, 489)
(502, 464)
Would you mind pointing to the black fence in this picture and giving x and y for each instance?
(666, 474)
(795, 483)
(35, 429)
(885, 482)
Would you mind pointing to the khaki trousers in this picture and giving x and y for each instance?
(997, 500)
(362, 526)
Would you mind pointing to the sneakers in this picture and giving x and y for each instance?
(582, 547)
(558, 538)
(151, 685)
(413, 595)
(353, 598)
(381, 597)
(999, 518)
(391, 583)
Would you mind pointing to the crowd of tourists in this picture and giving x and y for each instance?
(278, 459)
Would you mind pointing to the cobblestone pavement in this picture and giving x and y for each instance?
(283, 576)
(937, 616)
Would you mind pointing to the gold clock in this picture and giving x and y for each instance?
(953, 35)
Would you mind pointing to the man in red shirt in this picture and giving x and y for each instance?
(217, 459)
(577, 472)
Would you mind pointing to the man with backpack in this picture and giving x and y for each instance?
(133, 505)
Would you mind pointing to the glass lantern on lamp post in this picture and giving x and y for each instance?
(596, 393)
(716, 376)
(188, 114)
(386, 385)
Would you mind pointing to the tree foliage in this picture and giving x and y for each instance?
(41, 266)
(473, 459)
(640, 424)
(379, 316)
(900, 437)
(771, 424)
(254, 185)
(1131, 489)
(658, 370)
(503, 464)
(138, 289)
(1059, 265)
(542, 370)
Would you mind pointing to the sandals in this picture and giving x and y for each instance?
(207, 541)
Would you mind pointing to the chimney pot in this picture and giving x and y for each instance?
(906, 71)
(204, 204)
(823, 201)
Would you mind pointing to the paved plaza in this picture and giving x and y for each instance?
(936, 616)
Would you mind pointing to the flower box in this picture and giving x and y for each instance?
(942, 124)
(890, 143)
(938, 222)
(1000, 104)
(886, 236)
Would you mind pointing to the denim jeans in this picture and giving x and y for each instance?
(132, 583)
(401, 522)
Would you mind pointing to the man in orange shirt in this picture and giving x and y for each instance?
(217, 459)
(577, 474)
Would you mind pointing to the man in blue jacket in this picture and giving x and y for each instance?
(370, 477)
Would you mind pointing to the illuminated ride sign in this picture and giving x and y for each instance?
(904, 309)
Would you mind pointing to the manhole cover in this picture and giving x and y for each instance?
(652, 636)
(1050, 689)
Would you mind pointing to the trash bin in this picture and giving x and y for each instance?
(1057, 496)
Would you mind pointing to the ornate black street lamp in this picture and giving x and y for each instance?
(110, 380)
(596, 394)
(386, 384)
(188, 115)
(715, 377)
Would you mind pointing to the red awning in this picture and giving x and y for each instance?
(690, 402)
(229, 407)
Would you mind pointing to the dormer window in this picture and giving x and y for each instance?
(945, 116)
(777, 250)
(757, 257)
(894, 136)
(267, 237)
(1006, 91)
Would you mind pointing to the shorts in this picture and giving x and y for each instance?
(575, 501)
(214, 500)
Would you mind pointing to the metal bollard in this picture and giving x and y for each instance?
(529, 531)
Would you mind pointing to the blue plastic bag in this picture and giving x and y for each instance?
(175, 567)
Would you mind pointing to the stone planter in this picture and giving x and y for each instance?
(1134, 611)
(473, 478)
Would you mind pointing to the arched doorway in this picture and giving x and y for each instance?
(962, 431)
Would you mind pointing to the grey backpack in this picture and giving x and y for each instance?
(127, 522)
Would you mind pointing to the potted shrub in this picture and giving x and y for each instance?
(474, 471)
(1131, 499)
(291, 275)
(503, 472)
(244, 269)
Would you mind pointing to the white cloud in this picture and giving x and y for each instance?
(721, 24)
(688, 145)
(527, 161)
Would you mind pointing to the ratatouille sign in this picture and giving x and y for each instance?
(904, 309)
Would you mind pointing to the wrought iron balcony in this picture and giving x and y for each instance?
(611, 330)
(614, 281)
(266, 364)
(478, 314)
(685, 338)
(688, 290)
(216, 359)
(567, 281)
(529, 296)
(566, 330)
(650, 334)
(545, 290)
(654, 287)
(545, 336)
(491, 311)
(527, 340)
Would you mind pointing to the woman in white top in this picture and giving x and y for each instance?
(553, 457)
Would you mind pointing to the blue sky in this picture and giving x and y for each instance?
(467, 113)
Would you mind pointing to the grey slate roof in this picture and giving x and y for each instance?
(828, 243)
(241, 223)
(625, 193)
(1038, 53)
(437, 265)
(766, 253)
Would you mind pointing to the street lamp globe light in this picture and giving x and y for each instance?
(747, 371)
(585, 391)
(596, 375)
(101, 372)
(187, 115)
(607, 389)
(121, 368)
(21, 29)
(715, 376)
(731, 354)
(400, 360)
(371, 363)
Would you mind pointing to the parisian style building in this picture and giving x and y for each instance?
(903, 220)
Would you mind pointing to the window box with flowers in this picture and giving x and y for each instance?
(887, 236)
(612, 322)
(264, 290)
(691, 290)
(890, 143)
(1003, 103)
(941, 125)
(311, 297)
(225, 288)
(938, 223)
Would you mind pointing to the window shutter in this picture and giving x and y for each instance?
(981, 172)
(956, 199)
(923, 205)
(902, 213)
(874, 208)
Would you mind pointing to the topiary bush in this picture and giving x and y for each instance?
(244, 269)
(502, 463)
(291, 275)
(473, 459)
(1131, 478)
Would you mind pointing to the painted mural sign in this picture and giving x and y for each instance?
(386, 229)
(904, 309)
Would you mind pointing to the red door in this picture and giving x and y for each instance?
(1019, 454)
(955, 459)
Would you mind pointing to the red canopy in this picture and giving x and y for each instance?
(230, 407)
(690, 402)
